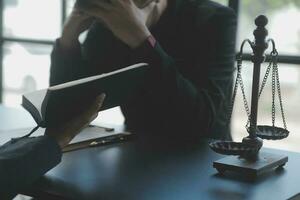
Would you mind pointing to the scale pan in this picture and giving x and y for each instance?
(232, 148)
(271, 132)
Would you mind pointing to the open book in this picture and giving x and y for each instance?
(58, 104)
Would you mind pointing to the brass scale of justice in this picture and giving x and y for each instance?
(246, 157)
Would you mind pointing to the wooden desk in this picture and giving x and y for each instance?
(141, 170)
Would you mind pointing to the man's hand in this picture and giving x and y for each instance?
(68, 131)
(127, 22)
(77, 23)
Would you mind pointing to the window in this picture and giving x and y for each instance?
(32, 19)
(29, 29)
(284, 28)
(290, 81)
(25, 69)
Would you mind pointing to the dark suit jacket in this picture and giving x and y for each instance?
(23, 161)
(189, 85)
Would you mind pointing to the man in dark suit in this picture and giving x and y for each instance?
(189, 44)
(24, 160)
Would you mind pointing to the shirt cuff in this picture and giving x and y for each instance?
(150, 52)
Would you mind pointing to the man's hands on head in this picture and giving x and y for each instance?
(77, 23)
(65, 133)
(124, 18)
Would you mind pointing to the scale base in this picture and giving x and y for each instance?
(251, 169)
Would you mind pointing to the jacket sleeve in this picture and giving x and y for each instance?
(94, 56)
(23, 161)
(65, 65)
(196, 103)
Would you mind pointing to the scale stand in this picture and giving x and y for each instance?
(248, 168)
(245, 157)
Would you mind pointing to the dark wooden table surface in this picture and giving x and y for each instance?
(137, 171)
(142, 170)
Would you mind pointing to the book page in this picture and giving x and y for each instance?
(36, 98)
(92, 78)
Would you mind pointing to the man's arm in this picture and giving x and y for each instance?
(191, 103)
(199, 102)
(24, 160)
(66, 57)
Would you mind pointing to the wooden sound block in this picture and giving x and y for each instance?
(264, 163)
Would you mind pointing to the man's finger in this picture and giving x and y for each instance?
(104, 5)
(147, 3)
(100, 100)
(96, 106)
(149, 7)
(94, 117)
(97, 12)
(85, 117)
